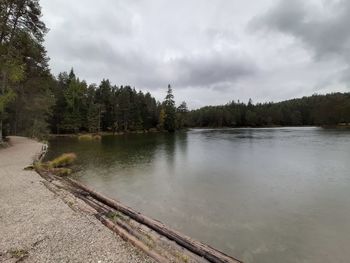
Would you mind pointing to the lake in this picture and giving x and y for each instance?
(260, 195)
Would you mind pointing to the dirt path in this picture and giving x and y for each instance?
(37, 226)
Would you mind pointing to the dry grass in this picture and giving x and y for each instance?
(61, 171)
(85, 137)
(57, 166)
(89, 137)
(63, 160)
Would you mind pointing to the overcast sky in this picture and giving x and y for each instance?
(210, 51)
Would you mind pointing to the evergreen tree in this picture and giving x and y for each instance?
(93, 111)
(330, 109)
(170, 111)
(23, 68)
(181, 115)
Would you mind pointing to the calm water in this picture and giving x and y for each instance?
(261, 195)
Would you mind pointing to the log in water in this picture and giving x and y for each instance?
(194, 246)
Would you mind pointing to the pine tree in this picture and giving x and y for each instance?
(170, 111)
(92, 111)
(181, 115)
(23, 61)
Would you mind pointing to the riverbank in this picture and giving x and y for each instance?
(37, 226)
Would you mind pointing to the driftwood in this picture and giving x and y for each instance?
(205, 251)
(158, 244)
(129, 235)
(130, 238)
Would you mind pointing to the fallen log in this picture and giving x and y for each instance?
(130, 238)
(205, 251)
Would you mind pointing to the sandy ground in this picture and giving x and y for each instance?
(37, 226)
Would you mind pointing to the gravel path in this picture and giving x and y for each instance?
(37, 226)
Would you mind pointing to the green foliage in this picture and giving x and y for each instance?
(330, 109)
(181, 116)
(106, 107)
(170, 111)
(115, 216)
(5, 99)
(32, 100)
(24, 76)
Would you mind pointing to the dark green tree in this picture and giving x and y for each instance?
(24, 76)
(170, 111)
(181, 115)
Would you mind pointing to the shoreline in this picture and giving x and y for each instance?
(94, 228)
(37, 225)
(151, 236)
(106, 133)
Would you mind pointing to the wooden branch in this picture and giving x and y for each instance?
(194, 246)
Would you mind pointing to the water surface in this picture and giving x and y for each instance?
(261, 195)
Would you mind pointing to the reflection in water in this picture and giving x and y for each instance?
(262, 195)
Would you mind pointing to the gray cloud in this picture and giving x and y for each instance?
(212, 68)
(109, 42)
(202, 47)
(323, 27)
(326, 30)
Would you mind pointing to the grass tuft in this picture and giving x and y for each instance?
(57, 166)
(63, 160)
(114, 215)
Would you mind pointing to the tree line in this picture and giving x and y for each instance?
(33, 102)
(330, 109)
(80, 107)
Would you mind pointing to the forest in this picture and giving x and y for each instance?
(319, 110)
(35, 103)
(90, 108)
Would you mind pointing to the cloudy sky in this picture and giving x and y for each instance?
(210, 51)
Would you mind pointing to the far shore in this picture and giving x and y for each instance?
(105, 133)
